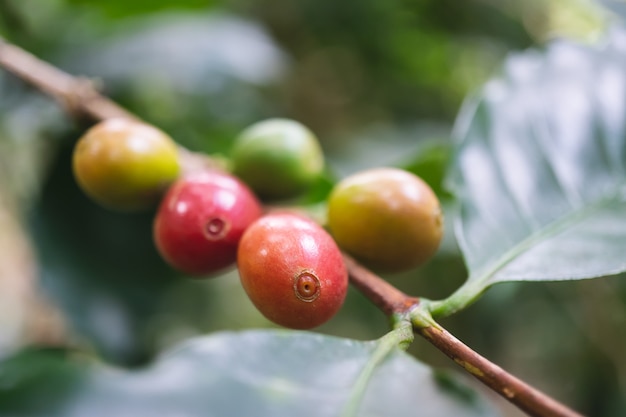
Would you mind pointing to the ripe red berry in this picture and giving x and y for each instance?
(201, 220)
(292, 270)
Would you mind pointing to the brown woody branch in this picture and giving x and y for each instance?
(525, 397)
(391, 301)
(80, 97)
(385, 296)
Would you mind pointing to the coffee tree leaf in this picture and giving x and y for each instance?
(253, 373)
(540, 168)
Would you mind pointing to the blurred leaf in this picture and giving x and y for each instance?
(117, 8)
(256, 373)
(430, 163)
(379, 145)
(191, 52)
(540, 168)
(198, 76)
(22, 375)
(100, 267)
(616, 6)
(319, 190)
(583, 20)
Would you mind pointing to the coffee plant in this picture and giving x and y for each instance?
(537, 175)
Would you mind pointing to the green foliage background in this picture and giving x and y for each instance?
(379, 81)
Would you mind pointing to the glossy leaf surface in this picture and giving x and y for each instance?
(540, 168)
(256, 373)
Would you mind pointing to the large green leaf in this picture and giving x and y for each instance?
(540, 169)
(256, 373)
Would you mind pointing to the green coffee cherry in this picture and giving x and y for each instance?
(387, 218)
(124, 164)
(277, 158)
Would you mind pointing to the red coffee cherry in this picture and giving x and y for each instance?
(201, 220)
(388, 218)
(292, 270)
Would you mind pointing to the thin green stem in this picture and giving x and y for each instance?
(478, 283)
(399, 338)
(460, 299)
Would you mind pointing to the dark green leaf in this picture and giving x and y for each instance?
(430, 164)
(109, 286)
(256, 373)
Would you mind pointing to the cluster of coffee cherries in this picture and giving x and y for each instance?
(209, 219)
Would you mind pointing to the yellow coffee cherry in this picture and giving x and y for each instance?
(389, 219)
(125, 164)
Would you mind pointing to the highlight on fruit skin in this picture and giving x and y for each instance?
(292, 270)
(387, 218)
(200, 221)
(277, 158)
(124, 164)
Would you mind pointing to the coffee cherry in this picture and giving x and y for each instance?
(292, 270)
(124, 164)
(387, 218)
(277, 158)
(201, 219)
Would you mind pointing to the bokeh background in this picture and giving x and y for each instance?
(379, 81)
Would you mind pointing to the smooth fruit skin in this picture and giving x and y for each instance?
(292, 270)
(277, 158)
(124, 164)
(387, 218)
(201, 220)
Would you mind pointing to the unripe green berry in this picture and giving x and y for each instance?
(125, 164)
(387, 218)
(277, 158)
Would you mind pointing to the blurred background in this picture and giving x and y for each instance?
(379, 82)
